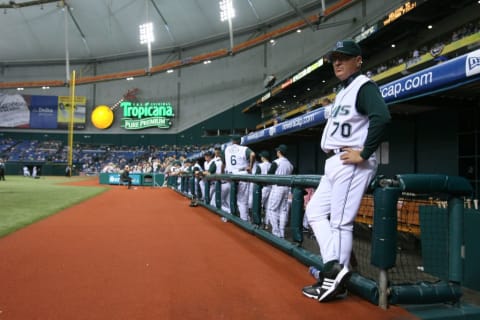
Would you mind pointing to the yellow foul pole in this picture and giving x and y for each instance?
(70, 124)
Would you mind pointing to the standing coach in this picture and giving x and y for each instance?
(356, 125)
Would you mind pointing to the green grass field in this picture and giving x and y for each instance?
(26, 200)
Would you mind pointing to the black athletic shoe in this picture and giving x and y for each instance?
(330, 286)
(341, 293)
(314, 291)
(333, 282)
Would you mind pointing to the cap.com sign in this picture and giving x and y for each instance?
(141, 115)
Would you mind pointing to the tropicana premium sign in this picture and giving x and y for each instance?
(141, 115)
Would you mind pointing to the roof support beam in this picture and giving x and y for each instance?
(164, 21)
(84, 39)
(14, 5)
(300, 14)
(253, 9)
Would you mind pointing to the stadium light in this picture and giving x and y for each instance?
(146, 37)
(227, 12)
(146, 33)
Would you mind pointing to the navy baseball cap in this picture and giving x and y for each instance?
(348, 47)
(282, 148)
(235, 137)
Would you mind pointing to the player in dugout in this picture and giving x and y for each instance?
(239, 160)
(357, 122)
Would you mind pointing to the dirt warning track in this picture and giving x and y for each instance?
(145, 254)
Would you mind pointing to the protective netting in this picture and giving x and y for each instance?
(409, 266)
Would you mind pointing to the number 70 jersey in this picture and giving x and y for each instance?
(345, 127)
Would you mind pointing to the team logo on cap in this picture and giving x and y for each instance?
(339, 44)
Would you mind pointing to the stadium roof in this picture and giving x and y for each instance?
(105, 29)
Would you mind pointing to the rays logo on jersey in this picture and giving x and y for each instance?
(473, 63)
(340, 110)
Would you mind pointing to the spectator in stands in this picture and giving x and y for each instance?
(109, 168)
(277, 120)
(440, 59)
(455, 36)
(415, 54)
(326, 101)
(2, 170)
(239, 160)
(125, 176)
(356, 125)
(277, 207)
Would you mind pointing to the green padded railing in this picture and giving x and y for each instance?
(386, 192)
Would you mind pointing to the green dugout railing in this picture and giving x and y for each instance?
(383, 247)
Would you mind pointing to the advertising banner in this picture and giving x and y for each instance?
(79, 115)
(114, 178)
(307, 120)
(14, 112)
(141, 115)
(453, 72)
(40, 112)
(43, 112)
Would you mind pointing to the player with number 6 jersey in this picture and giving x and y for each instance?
(239, 160)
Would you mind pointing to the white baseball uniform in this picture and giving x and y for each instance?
(277, 207)
(237, 162)
(206, 167)
(196, 185)
(225, 188)
(251, 185)
(264, 167)
(332, 209)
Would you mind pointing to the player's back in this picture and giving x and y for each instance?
(235, 158)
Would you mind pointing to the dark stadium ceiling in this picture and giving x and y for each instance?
(403, 29)
(35, 30)
(430, 12)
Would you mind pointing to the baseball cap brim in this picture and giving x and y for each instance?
(346, 47)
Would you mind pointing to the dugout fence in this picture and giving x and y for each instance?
(411, 236)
